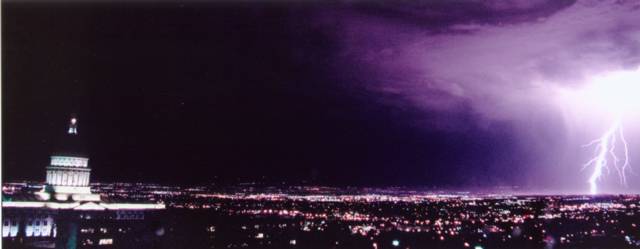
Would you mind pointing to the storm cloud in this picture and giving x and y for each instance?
(500, 67)
(502, 61)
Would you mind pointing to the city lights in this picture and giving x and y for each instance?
(395, 243)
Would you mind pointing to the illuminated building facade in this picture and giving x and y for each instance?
(68, 173)
(59, 212)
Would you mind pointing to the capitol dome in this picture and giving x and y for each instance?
(68, 172)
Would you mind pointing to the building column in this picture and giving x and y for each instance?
(55, 177)
(84, 178)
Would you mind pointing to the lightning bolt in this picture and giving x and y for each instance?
(606, 158)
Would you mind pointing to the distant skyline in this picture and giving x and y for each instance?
(438, 93)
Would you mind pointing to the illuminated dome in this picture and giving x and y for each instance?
(67, 185)
(68, 173)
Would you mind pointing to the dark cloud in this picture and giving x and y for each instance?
(491, 65)
(505, 60)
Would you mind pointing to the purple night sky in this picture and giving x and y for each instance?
(502, 64)
(462, 94)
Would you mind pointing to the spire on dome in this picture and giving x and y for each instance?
(71, 143)
(73, 125)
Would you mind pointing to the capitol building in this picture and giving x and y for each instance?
(65, 205)
(68, 173)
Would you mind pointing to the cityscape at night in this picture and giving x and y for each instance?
(253, 216)
(353, 124)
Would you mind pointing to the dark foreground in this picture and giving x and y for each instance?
(321, 219)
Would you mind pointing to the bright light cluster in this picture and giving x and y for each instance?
(616, 92)
(608, 95)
